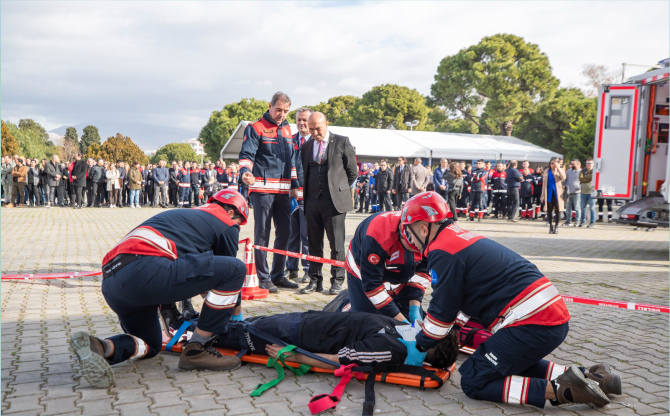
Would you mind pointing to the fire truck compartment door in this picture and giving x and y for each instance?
(614, 150)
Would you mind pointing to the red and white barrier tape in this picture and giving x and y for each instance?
(49, 276)
(572, 299)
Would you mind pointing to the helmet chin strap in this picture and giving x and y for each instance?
(425, 243)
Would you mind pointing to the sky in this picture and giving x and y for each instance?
(173, 63)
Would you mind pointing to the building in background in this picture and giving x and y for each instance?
(150, 153)
(198, 147)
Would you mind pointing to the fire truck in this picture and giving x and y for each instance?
(631, 148)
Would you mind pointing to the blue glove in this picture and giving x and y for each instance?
(414, 313)
(406, 321)
(414, 357)
(294, 205)
(237, 318)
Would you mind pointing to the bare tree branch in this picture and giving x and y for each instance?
(531, 128)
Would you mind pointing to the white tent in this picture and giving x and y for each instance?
(374, 144)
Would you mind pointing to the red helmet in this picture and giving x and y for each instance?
(230, 196)
(426, 206)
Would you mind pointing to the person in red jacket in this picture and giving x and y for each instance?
(510, 297)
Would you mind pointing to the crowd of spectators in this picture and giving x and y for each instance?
(506, 190)
(99, 183)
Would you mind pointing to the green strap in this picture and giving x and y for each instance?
(273, 363)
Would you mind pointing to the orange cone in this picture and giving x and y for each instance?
(250, 290)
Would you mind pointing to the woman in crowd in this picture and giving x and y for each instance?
(454, 179)
(552, 193)
(33, 184)
(113, 184)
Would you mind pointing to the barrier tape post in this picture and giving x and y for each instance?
(250, 290)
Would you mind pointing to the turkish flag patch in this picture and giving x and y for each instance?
(373, 258)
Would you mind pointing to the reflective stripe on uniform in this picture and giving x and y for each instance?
(217, 299)
(420, 280)
(516, 390)
(151, 237)
(554, 370)
(246, 163)
(436, 329)
(379, 297)
(353, 268)
(536, 301)
(462, 319)
(141, 348)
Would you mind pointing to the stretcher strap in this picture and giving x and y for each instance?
(177, 335)
(323, 402)
(274, 363)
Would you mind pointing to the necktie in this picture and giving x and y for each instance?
(319, 156)
(302, 141)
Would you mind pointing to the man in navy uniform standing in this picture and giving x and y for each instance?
(267, 167)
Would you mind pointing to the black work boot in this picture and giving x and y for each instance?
(188, 311)
(292, 274)
(92, 362)
(573, 387)
(335, 288)
(315, 285)
(196, 356)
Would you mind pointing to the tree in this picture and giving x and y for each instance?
(553, 116)
(336, 110)
(438, 120)
(597, 75)
(89, 136)
(95, 151)
(27, 124)
(578, 140)
(71, 133)
(392, 105)
(222, 124)
(69, 148)
(175, 151)
(494, 83)
(10, 146)
(32, 139)
(122, 148)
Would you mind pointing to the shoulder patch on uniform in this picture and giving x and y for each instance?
(433, 276)
(373, 258)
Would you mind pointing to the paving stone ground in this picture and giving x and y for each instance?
(39, 374)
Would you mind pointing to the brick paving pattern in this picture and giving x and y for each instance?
(39, 375)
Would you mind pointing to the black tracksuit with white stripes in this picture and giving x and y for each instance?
(357, 338)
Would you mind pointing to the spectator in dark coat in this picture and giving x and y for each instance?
(384, 185)
(514, 180)
(79, 179)
(123, 192)
(440, 180)
(401, 183)
(98, 179)
(54, 172)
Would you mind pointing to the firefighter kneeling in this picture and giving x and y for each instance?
(473, 276)
(172, 256)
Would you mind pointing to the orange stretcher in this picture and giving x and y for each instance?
(403, 379)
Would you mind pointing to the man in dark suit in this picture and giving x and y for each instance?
(79, 179)
(329, 169)
(401, 183)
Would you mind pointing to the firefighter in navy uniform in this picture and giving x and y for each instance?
(221, 174)
(382, 271)
(511, 298)
(195, 183)
(173, 255)
(267, 166)
(479, 181)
